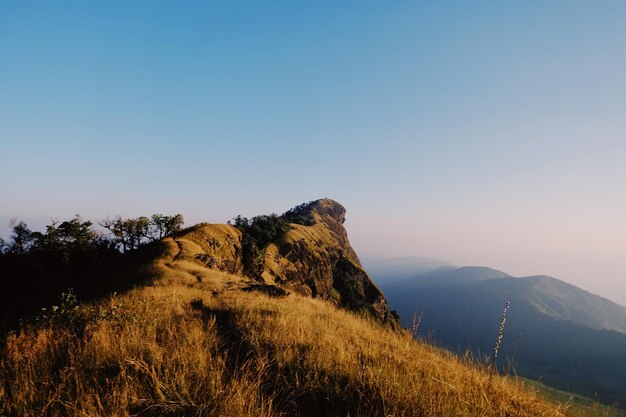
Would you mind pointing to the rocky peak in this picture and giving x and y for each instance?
(328, 210)
(314, 258)
(331, 215)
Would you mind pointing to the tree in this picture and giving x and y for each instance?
(257, 233)
(70, 235)
(300, 214)
(262, 229)
(137, 230)
(132, 233)
(38, 265)
(115, 225)
(129, 233)
(161, 226)
(76, 233)
(21, 239)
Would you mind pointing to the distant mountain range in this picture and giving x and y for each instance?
(387, 270)
(555, 332)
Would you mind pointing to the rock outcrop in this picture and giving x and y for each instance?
(314, 260)
(318, 260)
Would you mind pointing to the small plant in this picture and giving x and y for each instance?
(494, 355)
(66, 313)
(417, 320)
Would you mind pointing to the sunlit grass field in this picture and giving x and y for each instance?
(188, 347)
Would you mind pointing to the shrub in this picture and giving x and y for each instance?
(300, 214)
(258, 232)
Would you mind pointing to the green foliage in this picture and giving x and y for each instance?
(161, 226)
(263, 229)
(127, 233)
(68, 237)
(347, 286)
(72, 242)
(37, 265)
(300, 214)
(22, 238)
(130, 234)
(257, 233)
(66, 313)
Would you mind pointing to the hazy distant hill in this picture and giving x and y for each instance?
(386, 270)
(556, 332)
(465, 275)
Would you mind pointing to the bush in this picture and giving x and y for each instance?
(67, 314)
(264, 229)
(300, 215)
(257, 233)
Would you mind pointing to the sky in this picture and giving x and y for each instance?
(480, 133)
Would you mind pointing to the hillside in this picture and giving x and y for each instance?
(182, 347)
(201, 338)
(555, 332)
(313, 260)
(567, 302)
(443, 277)
(387, 270)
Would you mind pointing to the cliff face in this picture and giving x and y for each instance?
(318, 260)
(315, 260)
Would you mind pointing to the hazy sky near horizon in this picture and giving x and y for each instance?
(483, 133)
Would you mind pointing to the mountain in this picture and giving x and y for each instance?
(257, 320)
(449, 276)
(386, 270)
(562, 301)
(313, 260)
(558, 333)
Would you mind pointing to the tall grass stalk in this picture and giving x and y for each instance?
(416, 321)
(496, 348)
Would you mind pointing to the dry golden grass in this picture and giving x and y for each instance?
(187, 348)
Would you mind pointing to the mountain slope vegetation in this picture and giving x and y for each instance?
(182, 347)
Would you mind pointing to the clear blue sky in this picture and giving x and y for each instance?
(488, 133)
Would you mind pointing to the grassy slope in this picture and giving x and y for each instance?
(576, 403)
(184, 346)
(539, 338)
